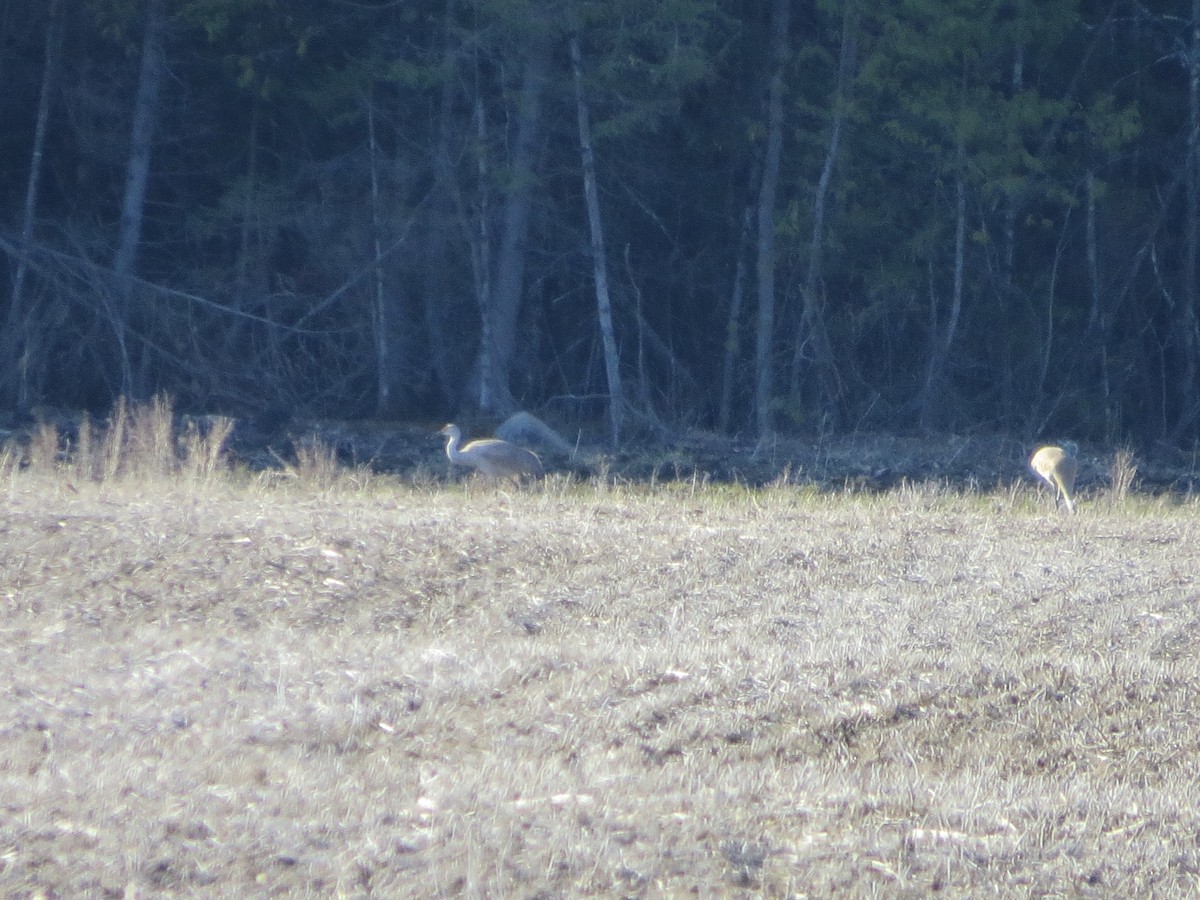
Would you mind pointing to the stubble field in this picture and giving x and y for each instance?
(356, 686)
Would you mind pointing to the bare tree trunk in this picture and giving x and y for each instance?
(481, 262)
(812, 322)
(764, 344)
(1047, 350)
(940, 352)
(1095, 312)
(733, 324)
(475, 223)
(248, 197)
(145, 122)
(16, 341)
(644, 403)
(1097, 327)
(379, 318)
(249, 279)
(616, 400)
(1011, 203)
(438, 289)
(1189, 338)
(509, 276)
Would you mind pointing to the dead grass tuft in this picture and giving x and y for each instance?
(329, 683)
(45, 451)
(116, 438)
(138, 442)
(318, 470)
(150, 439)
(204, 442)
(1123, 475)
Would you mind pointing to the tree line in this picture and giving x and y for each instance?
(806, 216)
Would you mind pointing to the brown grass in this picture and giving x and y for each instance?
(233, 686)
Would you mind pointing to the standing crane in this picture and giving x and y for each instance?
(1058, 466)
(493, 457)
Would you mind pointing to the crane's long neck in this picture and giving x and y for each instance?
(453, 439)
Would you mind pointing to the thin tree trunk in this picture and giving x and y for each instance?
(1189, 339)
(16, 338)
(812, 323)
(383, 368)
(509, 277)
(248, 197)
(1097, 327)
(145, 122)
(940, 354)
(1005, 311)
(616, 400)
(1092, 253)
(644, 403)
(1047, 352)
(481, 262)
(438, 288)
(764, 344)
(249, 280)
(733, 324)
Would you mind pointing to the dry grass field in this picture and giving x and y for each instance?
(334, 684)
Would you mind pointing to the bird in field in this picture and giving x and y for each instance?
(493, 457)
(1058, 466)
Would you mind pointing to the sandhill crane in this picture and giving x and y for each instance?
(494, 458)
(1058, 466)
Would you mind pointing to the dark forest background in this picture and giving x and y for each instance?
(799, 216)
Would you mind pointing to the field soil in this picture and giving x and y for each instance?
(357, 685)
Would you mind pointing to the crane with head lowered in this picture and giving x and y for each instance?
(1058, 466)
